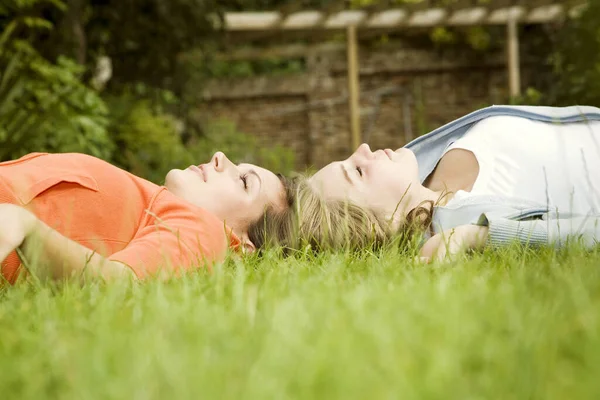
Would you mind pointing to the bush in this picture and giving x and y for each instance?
(148, 140)
(576, 61)
(44, 106)
(240, 147)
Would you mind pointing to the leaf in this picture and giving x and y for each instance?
(34, 22)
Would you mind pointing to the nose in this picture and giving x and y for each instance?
(363, 151)
(220, 161)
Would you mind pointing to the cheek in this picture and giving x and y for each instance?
(387, 185)
(230, 206)
(227, 197)
(384, 177)
(224, 190)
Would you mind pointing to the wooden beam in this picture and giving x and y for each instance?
(467, 16)
(544, 14)
(251, 21)
(345, 18)
(303, 20)
(514, 73)
(503, 16)
(292, 21)
(353, 86)
(387, 19)
(428, 17)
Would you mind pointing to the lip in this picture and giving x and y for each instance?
(389, 153)
(199, 170)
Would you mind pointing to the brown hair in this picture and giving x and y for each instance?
(322, 223)
(273, 226)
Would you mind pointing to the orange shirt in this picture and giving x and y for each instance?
(117, 214)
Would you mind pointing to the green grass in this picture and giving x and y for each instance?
(514, 324)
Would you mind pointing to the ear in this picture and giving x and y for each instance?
(246, 244)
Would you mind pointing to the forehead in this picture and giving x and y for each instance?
(271, 186)
(330, 181)
(329, 172)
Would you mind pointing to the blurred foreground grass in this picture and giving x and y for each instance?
(513, 324)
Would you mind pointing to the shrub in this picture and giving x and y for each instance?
(223, 135)
(148, 140)
(576, 61)
(44, 106)
(151, 141)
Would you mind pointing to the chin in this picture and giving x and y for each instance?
(172, 178)
(408, 160)
(402, 152)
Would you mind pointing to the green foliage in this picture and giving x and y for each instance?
(223, 135)
(8, 7)
(197, 67)
(478, 38)
(443, 36)
(44, 106)
(576, 61)
(148, 140)
(151, 140)
(531, 97)
(145, 37)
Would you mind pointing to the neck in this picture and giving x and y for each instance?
(422, 196)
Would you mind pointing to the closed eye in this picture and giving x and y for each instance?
(244, 179)
(248, 183)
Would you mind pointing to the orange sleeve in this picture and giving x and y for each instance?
(175, 237)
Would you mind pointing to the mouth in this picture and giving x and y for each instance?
(199, 170)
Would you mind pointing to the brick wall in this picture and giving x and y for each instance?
(405, 92)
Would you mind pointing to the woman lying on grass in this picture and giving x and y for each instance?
(500, 174)
(76, 213)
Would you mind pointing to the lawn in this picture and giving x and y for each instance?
(509, 324)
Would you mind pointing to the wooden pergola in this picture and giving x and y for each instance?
(385, 19)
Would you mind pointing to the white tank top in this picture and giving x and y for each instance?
(552, 164)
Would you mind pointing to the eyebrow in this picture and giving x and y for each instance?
(346, 175)
(253, 172)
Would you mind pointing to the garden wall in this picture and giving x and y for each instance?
(404, 92)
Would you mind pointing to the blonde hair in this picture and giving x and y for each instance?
(323, 223)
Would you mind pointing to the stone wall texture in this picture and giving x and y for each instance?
(404, 92)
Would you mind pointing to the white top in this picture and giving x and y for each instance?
(552, 164)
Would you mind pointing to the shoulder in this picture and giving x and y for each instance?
(187, 220)
(41, 165)
(502, 123)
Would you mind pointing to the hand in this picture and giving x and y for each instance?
(16, 224)
(62, 256)
(454, 241)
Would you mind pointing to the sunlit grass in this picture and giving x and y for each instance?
(509, 324)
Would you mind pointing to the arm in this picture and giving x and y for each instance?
(454, 241)
(20, 229)
(552, 231)
(498, 231)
